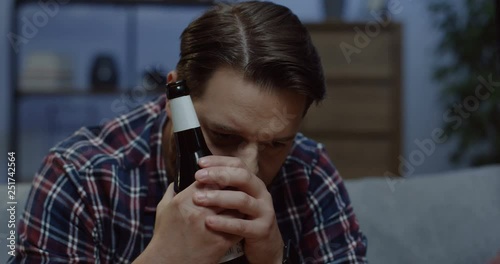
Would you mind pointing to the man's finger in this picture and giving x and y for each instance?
(228, 199)
(238, 178)
(236, 226)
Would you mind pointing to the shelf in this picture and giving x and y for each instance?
(65, 105)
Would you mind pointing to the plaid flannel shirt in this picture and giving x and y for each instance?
(94, 198)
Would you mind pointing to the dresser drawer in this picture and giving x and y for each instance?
(372, 60)
(360, 158)
(359, 120)
(352, 108)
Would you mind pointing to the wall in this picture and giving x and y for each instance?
(423, 112)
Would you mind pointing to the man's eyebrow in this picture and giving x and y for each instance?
(233, 131)
(223, 128)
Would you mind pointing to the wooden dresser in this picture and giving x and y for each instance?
(359, 122)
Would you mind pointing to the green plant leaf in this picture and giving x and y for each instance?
(470, 39)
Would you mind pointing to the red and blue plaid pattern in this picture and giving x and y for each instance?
(94, 198)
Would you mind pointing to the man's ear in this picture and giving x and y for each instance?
(171, 77)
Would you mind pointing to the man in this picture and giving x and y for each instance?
(103, 194)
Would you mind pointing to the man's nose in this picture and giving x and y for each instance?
(249, 153)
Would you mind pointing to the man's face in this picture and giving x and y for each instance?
(242, 120)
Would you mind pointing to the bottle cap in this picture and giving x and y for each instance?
(177, 89)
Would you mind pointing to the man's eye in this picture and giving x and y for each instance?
(277, 144)
(222, 136)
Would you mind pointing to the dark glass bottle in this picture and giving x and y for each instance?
(191, 146)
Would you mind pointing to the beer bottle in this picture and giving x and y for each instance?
(191, 146)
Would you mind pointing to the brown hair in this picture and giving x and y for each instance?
(264, 41)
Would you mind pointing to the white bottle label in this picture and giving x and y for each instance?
(183, 114)
(234, 252)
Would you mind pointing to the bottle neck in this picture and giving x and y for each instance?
(183, 114)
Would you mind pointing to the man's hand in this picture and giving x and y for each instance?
(181, 235)
(243, 191)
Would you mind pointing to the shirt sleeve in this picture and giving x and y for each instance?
(331, 233)
(57, 226)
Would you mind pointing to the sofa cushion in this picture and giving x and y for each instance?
(451, 217)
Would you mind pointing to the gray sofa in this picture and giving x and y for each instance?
(451, 217)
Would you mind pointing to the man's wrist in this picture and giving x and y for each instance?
(151, 254)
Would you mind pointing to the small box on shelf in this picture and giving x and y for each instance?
(46, 72)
